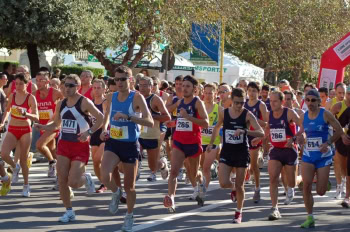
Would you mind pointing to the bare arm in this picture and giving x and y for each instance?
(34, 116)
(107, 111)
(264, 112)
(258, 131)
(335, 108)
(338, 130)
(146, 119)
(169, 105)
(203, 120)
(217, 127)
(159, 104)
(329, 105)
(89, 107)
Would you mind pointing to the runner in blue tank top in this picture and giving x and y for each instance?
(317, 156)
(123, 108)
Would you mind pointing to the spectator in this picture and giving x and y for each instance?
(324, 96)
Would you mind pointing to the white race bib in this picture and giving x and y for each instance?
(69, 126)
(278, 135)
(119, 132)
(207, 131)
(183, 124)
(230, 138)
(313, 144)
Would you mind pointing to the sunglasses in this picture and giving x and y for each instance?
(70, 85)
(120, 79)
(222, 92)
(311, 100)
(239, 103)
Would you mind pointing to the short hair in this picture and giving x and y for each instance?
(44, 69)
(144, 70)
(290, 93)
(123, 69)
(155, 79)
(266, 88)
(312, 86)
(62, 77)
(148, 79)
(24, 67)
(237, 92)
(191, 79)
(210, 86)
(323, 90)
(44, 74)
(284, 81)
(340, 84)
(6, 65)
(103, 84)
(204, 83)
(179, 78)
(223, 83)
(279, 94)
(2, 74)
(88, 71)
(164, 85)
(74, 77)
(253, 85)
(58, 82)
(22, 77)
(110, 81)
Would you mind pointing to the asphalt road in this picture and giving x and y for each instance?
(41, 211)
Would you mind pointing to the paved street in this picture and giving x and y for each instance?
(41, 211)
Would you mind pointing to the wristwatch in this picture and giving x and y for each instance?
(129, 117)
(90, 131)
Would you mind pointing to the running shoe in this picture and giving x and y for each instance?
(123, 198)
(289, 196)
(68, 216)
(194, 194)
(152, 178)
(309, 223)
(345, 203)
(338, 191)
(89, 184)
(274, 215)
(128, 223)
(6, 185)
(202, 191)
(164, 172)
(114, 204)
(256, 197)
(52, 170)
(16, 173)
(169, 203)
(187, 180)
(238, 218)
(26, 191)
(214, 170)
(30, 159)
(181, 175)
(261, 162)
(101, 189)
(233, 196)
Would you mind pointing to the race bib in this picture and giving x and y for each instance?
(69, 126)
(207, 131)
(230, 138)
(278, 135)
(183, 124)
(144, 129)
(45, 114)
(17, 111)
(313, 144)
(119, 132)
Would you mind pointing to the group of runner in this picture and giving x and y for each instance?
(201, 125)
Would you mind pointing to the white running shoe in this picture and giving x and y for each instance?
(89, 184)
(16, 173)
(164, 172)
(68, 216)
(128, 223)
(181, 175)
(114, 204)
(194, 194)
(26, 191)
(52, 170)
(289, 196)
(202, 188)
(338, 192)
(152, 177)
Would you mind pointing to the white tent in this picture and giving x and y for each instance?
(234, 70)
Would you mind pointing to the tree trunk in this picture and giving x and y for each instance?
(296, 81)
(33, 56)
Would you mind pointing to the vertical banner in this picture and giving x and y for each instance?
(328, 78)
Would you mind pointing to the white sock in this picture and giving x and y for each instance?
(239, 210)
(5, 178)
(129, 214)
(257, 188)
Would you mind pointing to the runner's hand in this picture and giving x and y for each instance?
(238, 132)
(119, 116)
(256, 141)
(324, 148)
(209, 147)
(83, 137)
(345, 139)
(289, 143)
(38, 126)
(104, 135)
(183, 113)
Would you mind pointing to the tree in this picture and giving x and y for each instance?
(56, 24)
(284, 35)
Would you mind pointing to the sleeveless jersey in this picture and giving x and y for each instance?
(87, 94)
(123, 130)
(29, 87)
(255, 110)
(74, 121)
(16, 108)
(46, 107)
(207, 132)
(187, 132)
(151, 132)
(231, 143)
(342, 109)
(267, 103)
(317, 133)
(281, 129)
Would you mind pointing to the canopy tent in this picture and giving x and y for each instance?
(234, 70)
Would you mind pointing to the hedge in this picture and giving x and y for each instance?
(3, 62)
(75, 69)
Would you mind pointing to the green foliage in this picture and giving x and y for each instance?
(75, 69)
(3, 62)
